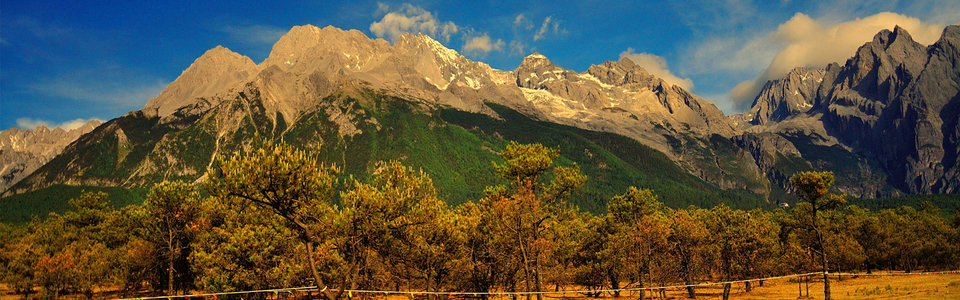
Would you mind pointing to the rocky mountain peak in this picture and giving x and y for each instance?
(216, 70)
(621, 72)
(536, 70)
(418, 39)
(294, 42)
(887, 38)
(90, 125)
(949, 42)
(881, 69)
(780, 99)
(536, 61)
(421, 46)
(305, 49)
(951, 33)
(41, 129)
(896, 45)
(894, 101)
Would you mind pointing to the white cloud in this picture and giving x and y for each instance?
(448, 29)
(517, 48)
(805, 42)
(522, 22)
(382, 8)
(549, 25)
(31, 124)
(941, 11)
(34, 40)
(730, 55)
(45, 31)
(254, 34)
(412, 19)
(482, 44)
(543, 29)
(657, 66)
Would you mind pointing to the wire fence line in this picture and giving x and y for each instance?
(897, 273)
(296, 290)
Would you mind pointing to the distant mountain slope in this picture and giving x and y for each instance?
(455, 147)
(224, 91)
(24, 151)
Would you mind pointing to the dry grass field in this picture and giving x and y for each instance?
(920, 287)
(874, 287)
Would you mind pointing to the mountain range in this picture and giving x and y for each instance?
(24, 151)
(886, 121)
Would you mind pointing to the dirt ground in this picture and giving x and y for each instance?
(873, 287)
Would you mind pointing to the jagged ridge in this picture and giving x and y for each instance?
(894, 104)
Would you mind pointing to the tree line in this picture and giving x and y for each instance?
(275, 216)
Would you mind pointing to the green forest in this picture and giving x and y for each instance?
(277, 216)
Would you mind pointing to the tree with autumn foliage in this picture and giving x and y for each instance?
(593, 269)
(171, 210)
(18, 256)
(244, 247)
(572, 227)
(637, 230)
(744, 240)
(77, 251)
(289, 182)
(814, 211)
(528, 208)
(487, 255)
(690, 245)
(398, 219)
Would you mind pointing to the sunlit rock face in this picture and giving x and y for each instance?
(24, 151)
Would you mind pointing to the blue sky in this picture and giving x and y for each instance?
(63, 61)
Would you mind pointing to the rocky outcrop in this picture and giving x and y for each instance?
(782, 98)
(768, 150)
(23, 151)
(618, 97)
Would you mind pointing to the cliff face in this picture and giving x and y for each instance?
(895, 103)
(24, 151)
(892, 101)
